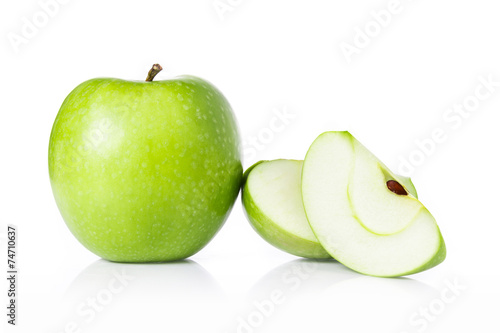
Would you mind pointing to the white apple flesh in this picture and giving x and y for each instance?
(357, 216)
(272, 201)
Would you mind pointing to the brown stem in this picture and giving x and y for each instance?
(153, 71)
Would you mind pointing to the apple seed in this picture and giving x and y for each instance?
(396, 187)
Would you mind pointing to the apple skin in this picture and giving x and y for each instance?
(274, 234)
(145, 171)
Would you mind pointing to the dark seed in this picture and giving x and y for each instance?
(396, 187)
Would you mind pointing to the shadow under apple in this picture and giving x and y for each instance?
(308, 295)
(109, 296)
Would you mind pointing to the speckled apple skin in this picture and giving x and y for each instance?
(145, 171)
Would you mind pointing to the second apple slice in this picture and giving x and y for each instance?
(365, 216)
(272, 200)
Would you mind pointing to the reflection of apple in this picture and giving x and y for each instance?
(273, 204)
(145, 171)
(110, 297)
(362, 214)
(283, 295)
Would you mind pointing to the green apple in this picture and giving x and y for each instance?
(273, 204)
(365, 216)
(145, 171)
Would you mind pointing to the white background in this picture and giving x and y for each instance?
(267, 57)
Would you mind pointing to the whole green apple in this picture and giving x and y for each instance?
(145, 171)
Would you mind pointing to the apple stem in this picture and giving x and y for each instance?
(153, 71)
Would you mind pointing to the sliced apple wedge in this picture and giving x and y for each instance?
(365, 216)
(272, 200)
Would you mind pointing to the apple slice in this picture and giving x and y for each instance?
(365, 216)
(273, 204)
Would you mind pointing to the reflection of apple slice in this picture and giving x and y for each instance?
(365, 216)
(273, 204)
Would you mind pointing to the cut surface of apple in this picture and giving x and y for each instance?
(365, 216)
(272, 201)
